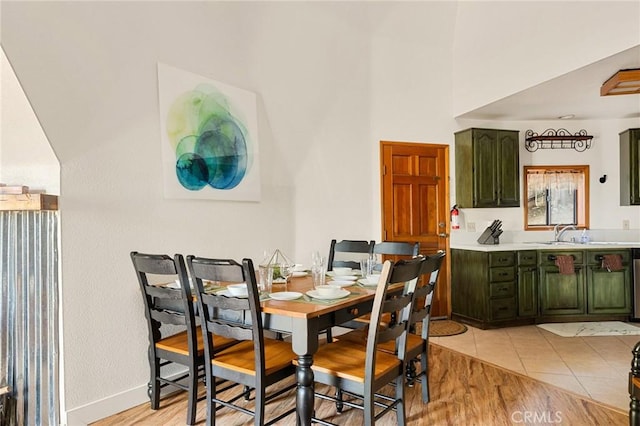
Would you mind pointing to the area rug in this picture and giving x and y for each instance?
(441, 328)
(600, 328)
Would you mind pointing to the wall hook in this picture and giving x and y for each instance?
(603, 179)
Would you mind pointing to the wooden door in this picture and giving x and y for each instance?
(415, 204)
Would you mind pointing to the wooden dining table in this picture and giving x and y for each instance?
(303, 319)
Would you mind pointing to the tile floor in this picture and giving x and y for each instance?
(595, 366)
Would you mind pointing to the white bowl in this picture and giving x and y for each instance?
(373, 279)
(299, 267)
(327, 290)
(342, 271)
(238, 289)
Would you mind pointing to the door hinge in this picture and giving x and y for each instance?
(385, 235)
(384, 170)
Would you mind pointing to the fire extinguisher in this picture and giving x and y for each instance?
(455, 223)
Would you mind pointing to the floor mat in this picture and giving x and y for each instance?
(440, 328)
(599, 328)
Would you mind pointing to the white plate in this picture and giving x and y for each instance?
(227, 293)
(285, 295)
(339, 283)
(299, 273)
(365, 282)
(339, 294)
(345, 277)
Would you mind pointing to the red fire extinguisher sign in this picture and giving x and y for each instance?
(455, 215)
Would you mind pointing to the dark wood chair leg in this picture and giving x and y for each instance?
(425, 375)
(634, 392)
(193, 394)
(339, 404)
(154, 383)
(411, 372)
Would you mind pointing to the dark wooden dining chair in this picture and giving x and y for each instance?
(256, 362)
(173, 306)
(354, 249)
(418, 345)
(422, 314)
(361, 371)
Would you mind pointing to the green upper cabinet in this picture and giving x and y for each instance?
(487, 168)
(630, 167)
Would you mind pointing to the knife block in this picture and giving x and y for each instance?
(487, 238)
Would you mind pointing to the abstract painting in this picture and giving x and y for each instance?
(209, 138)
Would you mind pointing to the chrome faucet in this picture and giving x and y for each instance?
(558, 233)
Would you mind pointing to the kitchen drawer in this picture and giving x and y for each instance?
(594, 256)
(506, 289)
(502, 274)
(502, 308)
(527, 258)
(548, 257)
(502, 258)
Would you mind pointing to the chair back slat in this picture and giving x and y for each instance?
(391, 333)
(397, 303)
(156, 264)
(397, 248)
(221, 301)
(169, 317)
(231, 330)
(163, 292)
(348, 246)
(225, 270)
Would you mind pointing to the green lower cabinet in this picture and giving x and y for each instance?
(498, 289)
(527, 291)
(561, 294)
(609, 292)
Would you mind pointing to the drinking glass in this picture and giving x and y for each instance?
(366, 266)
(286, 271)
(265, 273)
(318, 274)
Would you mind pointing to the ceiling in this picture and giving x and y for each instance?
(577, 93)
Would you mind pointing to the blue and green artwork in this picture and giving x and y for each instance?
(209, 138)
(210, 143)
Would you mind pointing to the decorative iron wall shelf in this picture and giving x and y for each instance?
(557, 139)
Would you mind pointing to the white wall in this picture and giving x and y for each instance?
(26, 158)
(90, 72)
(503, 47)
(332, 79)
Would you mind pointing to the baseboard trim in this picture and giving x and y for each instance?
(114, 404)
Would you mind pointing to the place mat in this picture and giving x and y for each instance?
(596, 328)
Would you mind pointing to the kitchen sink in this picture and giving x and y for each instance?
(575, 243)
(553, 243)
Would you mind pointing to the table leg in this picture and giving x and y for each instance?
(305, 391)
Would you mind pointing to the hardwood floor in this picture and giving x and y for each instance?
(464, 391)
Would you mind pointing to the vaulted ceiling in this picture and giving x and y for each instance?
(576, 93)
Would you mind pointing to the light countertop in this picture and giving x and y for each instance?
(609, 245)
